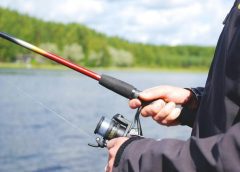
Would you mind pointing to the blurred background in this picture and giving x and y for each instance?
(48, 113)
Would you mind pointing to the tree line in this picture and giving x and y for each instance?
(87, 47)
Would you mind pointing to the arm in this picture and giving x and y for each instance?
(217, 153)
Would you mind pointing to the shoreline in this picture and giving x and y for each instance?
(128, 69)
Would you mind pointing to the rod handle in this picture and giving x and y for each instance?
(118, 86)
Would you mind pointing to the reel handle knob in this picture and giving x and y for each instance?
(101, 143)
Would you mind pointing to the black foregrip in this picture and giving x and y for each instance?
(118, 86)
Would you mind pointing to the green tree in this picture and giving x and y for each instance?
(121, 58)
(73, 52)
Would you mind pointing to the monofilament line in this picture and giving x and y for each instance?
(51, 110)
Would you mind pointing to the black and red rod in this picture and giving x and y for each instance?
(109, 82)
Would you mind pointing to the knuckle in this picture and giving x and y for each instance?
(163, 113)
(111, 153)
(171, 104)
(173, 115)
(155, 118)
(159, 117)
(169, 108)
(157, 106)
(144, 112)
(164, 122)
(170, 118)
(154, 110)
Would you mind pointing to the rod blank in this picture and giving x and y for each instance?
(51, 56)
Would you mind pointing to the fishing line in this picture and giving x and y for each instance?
(57, 114)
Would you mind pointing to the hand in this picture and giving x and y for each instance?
(165, 98)
(113, 146)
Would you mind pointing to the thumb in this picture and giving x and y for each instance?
(111, 143)
(153, 93)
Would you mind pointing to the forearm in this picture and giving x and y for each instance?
(217, 153)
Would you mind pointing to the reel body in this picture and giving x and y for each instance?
(118, 126)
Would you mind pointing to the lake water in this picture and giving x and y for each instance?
(35, 137)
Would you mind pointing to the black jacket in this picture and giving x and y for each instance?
(215, 141)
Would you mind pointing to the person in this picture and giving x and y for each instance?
(213, 112)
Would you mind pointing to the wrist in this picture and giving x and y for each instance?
(193, 99)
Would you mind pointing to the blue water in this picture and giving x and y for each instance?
(33, 135)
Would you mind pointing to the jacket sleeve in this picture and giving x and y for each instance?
(188, 114)
(217, 153)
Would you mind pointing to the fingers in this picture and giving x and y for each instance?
(111, 154)
(153, 109)
(109, 166)
(154, 93)
(111, 143)
(148, 96)
(135, 103)
(116, 142)
(161, 112)
(164, 112)
(166, 93)
(113, 146)
(171, 118)
(111, 158)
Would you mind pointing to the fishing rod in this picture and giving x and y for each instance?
(118, 86)
(118, 126)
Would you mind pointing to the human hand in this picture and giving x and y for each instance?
(113, 146)
(165, 98)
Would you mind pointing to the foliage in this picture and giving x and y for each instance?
(120, 57)
(73, 52)
(90, 48)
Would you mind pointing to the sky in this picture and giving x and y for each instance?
(171, 22)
